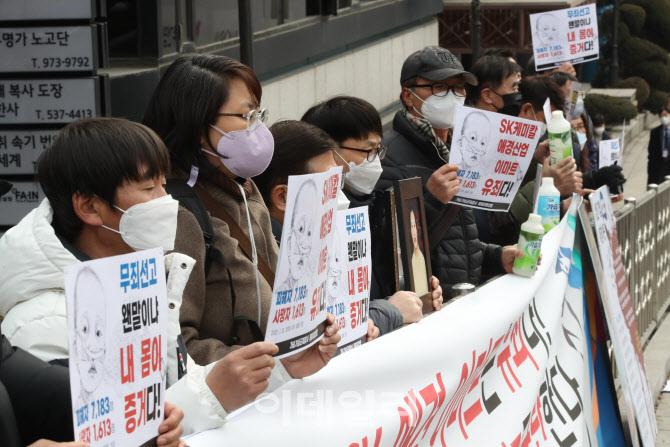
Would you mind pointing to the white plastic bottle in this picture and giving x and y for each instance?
(530, 241)
(549, 204)
(560, 138)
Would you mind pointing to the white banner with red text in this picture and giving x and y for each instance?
(505, 366)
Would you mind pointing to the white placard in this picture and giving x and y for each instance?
(493, 152)
(620, 315)
(565, 35)
(608, 153)
(117, 325)
(53, 48)
(546, 108)
(575, 88)
(44, 101)
(297, 317)
(349, 272)
(19, 201)
(20, 149)
(46, 9)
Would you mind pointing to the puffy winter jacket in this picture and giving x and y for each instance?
(460, 256)
(32, 302)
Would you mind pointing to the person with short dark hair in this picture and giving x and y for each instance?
(300, 149)
(356, 127)
(102, 176)
(433, 85)
(498, 87)
(658, 150)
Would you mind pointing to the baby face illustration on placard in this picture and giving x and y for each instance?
(475, 138)
(90, 330)
(302, 229)
(547, 30)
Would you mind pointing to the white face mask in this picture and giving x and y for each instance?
(599, 130)
(581, 137)
(440, 111)
(543, 125)
(342, 201)
(150, 224)
(665, 120)
(362, 178)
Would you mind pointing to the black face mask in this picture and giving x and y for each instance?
(511, 104)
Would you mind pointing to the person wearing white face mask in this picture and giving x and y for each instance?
(433, 86)
(355, 126)
(659, 149)
(103, 180)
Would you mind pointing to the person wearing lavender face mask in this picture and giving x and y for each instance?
(207, 111)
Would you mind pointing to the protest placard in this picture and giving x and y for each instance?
(575, 88)
(565, 35)
(298, 310)
(117, 325)
(349, 276)
(608, 153)
(493, 152)
(620, 316)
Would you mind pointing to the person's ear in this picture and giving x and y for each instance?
(407, 97)
(278, 197)
(88, 208)
(486, 96)
(527, 112)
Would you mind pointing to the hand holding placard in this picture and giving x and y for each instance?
(444, 183)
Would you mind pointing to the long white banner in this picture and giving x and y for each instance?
(505, 366)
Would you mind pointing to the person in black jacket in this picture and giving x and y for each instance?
(356, 127)
(433, 86)
(659, 149)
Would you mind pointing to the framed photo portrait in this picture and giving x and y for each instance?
(413, 238)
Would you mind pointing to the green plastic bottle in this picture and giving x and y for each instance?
(560, 138)
(530, 241)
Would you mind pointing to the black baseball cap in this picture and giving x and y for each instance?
(435, 64)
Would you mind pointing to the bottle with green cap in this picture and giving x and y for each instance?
(549, 204)
(530, 241)
(560, 138)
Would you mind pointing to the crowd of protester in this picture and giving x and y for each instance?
(203, 141)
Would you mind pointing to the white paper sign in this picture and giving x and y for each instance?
(54, 48)
(48, 100)
(575, 88)
(565, 35)
(20, 149)
(493, 152)
(608, 153)
(298, 310)
(19, 201)
(117, 325)
(546, 108)
(349, 276)
(620, 315)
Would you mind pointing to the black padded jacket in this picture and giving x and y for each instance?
(459, 256)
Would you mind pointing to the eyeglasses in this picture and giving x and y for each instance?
(440, 89)
(580, 128)
(253, 117)
(371, 154)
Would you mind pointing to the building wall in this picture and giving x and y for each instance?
(371, 72)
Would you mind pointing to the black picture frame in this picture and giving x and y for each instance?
(408, 194)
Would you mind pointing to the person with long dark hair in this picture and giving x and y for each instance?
(207, 110)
